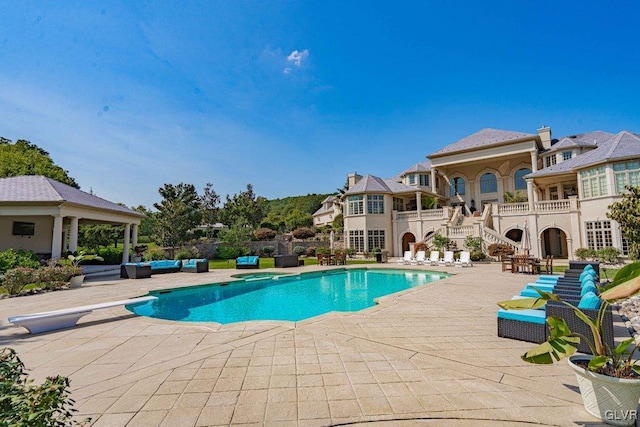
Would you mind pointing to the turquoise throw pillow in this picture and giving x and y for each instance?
(589, 301)
(587, 281)
(588, 288)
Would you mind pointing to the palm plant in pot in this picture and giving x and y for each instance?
(77, 276)
(609, 380)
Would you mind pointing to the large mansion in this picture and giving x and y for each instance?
(497, 185)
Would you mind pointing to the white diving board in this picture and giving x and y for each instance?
(67, 317)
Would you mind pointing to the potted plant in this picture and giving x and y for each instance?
(609, 380)
(77, 276)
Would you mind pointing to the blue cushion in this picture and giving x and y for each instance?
(586, 282)
(549, 277)
(588, 288)
(547, 280)
(247, 260)
(542, 287)
(587, 275)
(589, 301)
(531, 316)
(531, 293)
(588, 267)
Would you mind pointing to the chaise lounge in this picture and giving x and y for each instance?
(248, 262)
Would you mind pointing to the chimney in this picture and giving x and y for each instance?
(353, 178)
(545, 136)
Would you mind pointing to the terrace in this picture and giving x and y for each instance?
(425, 353)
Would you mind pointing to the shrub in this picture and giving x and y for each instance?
(440, 242)
(303, 233)
(350, 252)
(54, 276)
(265, 234)
(20, 258)
(187, 253)
(478, 256)
(299, 250)
(25, 404)
(609, 255)
(154, 254)
(311, 251)
(14, 280)
(585, 253)
(228, 252)
(499, 249)
(473, 243)
(110, 255)
(323, 250)
(268, 250)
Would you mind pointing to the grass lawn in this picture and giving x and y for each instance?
(269, 263)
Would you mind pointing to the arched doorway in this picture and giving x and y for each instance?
(514, 234)
(406, 240)
(554, 242)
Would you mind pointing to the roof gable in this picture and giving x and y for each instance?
(374, 184)
(483, 138)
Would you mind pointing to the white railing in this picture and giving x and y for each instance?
(433, 213)
(513, 208)
(407, 215)
(552, 206)
(490, 236)
(461, 231)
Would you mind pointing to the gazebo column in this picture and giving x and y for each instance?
(73, 234)
(127, 238)
(56, 238)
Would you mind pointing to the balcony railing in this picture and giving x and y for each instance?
(543, 206)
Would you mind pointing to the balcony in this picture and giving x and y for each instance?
(542, 207)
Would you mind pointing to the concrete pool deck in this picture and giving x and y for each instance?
(425, 356)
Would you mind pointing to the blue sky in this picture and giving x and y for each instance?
(292, 96)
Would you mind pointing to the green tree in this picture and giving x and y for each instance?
(178, 213)
(296, 219)
(209, 202)
(515, 197)
(626, 212)
(338, 223)
(147, 224)
(244, 208)
(236, 236)
(94, 236)
(25, 158)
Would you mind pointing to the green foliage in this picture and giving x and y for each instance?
(229, 252)
(477, 256)
(15, 279)
(298, 219)
(264, 234)
(268, 250)
(306, 204)
(20, 258)
(244, 209)
(236, 236)
(350, 252)
(210, 210)
(626, 212)
(338, 223)
(499, 249)
(515, 197)
(310, 251)
(25, 158)
(609, 255)
(299, 250)
(110, 255)
(24, 404)
(95, 236)
(178, 213)
(147, 224)
(323, 250)
(54, 276)
(154, 254)
(585, 253)
(440, 242)
(474, 244)
(303, 233)
(428, 202)
(188, 253)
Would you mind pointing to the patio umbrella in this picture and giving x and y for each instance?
(525, 242)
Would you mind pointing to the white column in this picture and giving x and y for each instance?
(125, 249)
(73, 235)
(534, 161)
(419, 203)
(134, 235)
(433, 181)
(530, 194)
(56, 238)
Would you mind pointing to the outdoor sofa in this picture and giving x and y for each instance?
(248, 262)
(144, 270)
(195, 265)
(165, 266)
(283, 261)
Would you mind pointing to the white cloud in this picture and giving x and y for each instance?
(287, 70)
(296, 57)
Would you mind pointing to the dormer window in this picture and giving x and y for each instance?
(566, 155)
(412, 180)
(550, 161)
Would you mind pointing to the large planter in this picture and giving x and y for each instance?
(613, 400)
(76, 281)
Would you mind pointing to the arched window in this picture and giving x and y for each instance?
(488, 183)
(519, 182)
(457, 186)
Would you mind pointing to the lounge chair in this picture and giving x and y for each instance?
(406, 259)
(421, 257)
(464, 261)
(434, 258)
(448, 258)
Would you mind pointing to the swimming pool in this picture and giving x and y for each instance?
(290, 298)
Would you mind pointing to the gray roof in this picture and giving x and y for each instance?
(374, 184)
(36, 188)
(418, 167)
(483, 138)
(586, 140)
(624, 145)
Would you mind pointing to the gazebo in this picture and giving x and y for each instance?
(42, 215)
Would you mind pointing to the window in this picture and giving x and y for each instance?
(424, 180)
(625, 247)
(518, 178)
(599, 234)
(626, 173)
(375, 204)
(375, 239)
(412, 180)
(398, 204)
(356, 206)
(550, 161)
(457, 186)
(356, 240)
(594, 182)
(566, 155)
(488, 183)
(23, 228)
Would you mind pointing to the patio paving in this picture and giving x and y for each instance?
(426, 356)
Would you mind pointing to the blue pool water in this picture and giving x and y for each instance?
(289, 298)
